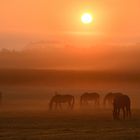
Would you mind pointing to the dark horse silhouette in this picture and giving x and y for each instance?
(86, 97)
(108, 99)
(123, 103)
(58, 99)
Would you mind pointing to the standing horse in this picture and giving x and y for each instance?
(110, 97)
(58, 100)
(86, 97)
(123, 103)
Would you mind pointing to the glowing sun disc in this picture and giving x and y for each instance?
(86, 18)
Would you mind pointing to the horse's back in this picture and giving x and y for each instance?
(121, 101)
(90, 96)
(64, 98)
(95, 94)
(127, 100)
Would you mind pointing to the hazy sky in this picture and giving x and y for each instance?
(22, 21)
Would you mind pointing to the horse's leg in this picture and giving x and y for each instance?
(123, 109)
(51, 105)
(81, 103)
(129, 111)
(69, 104)
(98, 102)
(56, 104)
(130, 114)
(86, 102)
(60, 106)
(110, 102)
(72, 103)
(106, 103)
(118, 113)
(95, 103)
(114, 113)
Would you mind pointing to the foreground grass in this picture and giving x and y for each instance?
(77, 125)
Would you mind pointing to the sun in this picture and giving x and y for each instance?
(86, 18)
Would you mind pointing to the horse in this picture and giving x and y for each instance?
(109, 98)
(123, 103)
(58, 99)
(86, 97)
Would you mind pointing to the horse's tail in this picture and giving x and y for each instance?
(73, 102)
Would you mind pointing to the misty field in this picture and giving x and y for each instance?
(24, 111)
(76, 125)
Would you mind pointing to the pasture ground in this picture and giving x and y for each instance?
(67, 125)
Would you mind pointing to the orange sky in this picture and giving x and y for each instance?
(28, 20)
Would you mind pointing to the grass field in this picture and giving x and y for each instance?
(76, 125)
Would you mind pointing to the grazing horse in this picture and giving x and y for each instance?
(86, 97)
(58, 99)
(110, 97)
(123, 103)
